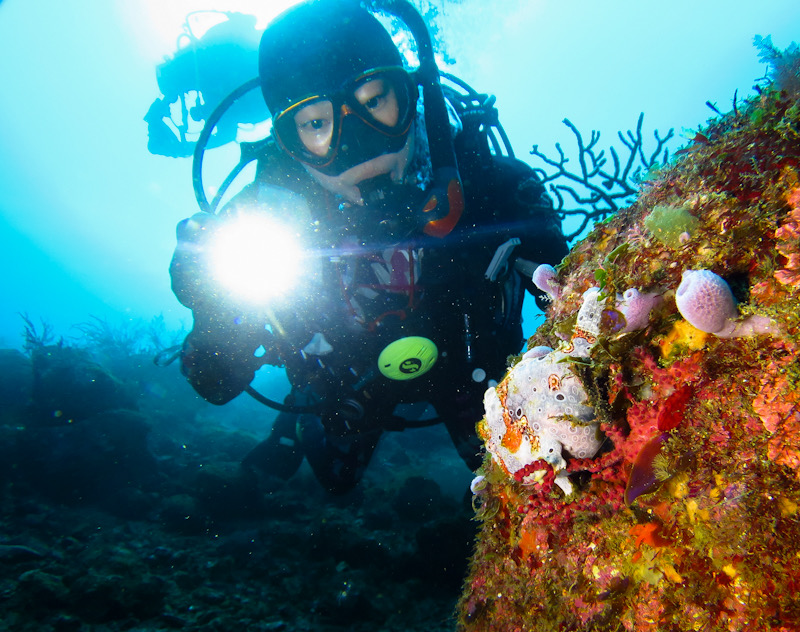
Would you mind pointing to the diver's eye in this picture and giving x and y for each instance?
(314, 125)
(379, 99)
(371, 93)
(376, 100)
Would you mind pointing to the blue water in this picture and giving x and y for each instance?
(88, 214)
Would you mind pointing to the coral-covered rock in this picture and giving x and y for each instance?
(788, 243)
(686, 513)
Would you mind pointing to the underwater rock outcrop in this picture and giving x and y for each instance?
(688, 516)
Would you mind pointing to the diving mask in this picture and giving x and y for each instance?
(370, 116)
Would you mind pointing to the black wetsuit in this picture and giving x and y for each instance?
(370, 297)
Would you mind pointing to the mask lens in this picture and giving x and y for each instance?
(306, 129)
(378, 98)
(382, 99)
(314, 127)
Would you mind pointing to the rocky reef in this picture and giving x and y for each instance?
(687, 515)
(123, 507)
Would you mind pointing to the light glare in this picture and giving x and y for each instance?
(256, 259)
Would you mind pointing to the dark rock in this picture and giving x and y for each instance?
(12, 553)
(163, 555)
(244, 546)
(225, 493)
(41, 589)
(180, 514)
(16, 386)
(68, 386)
(173, 621)
(90, 461)
(102, 598)
(129, 503)
(345, 605)
(210, 596)
(419, 499)
(378, 520)
(66, 623)
(224, 444)
(269, 626)
(443, 550)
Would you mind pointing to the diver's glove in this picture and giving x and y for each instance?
(218, 356)
(190, 271)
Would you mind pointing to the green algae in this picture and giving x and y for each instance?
(672, 225)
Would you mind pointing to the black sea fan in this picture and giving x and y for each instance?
(784, 69)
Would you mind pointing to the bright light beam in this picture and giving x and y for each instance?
(256, 259)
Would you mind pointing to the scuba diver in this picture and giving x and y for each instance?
(200, 74)
(418, 242)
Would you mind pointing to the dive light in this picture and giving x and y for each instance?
(255, 258)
